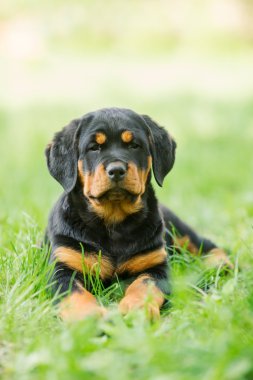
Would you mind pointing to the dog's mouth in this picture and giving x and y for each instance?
(116, 194)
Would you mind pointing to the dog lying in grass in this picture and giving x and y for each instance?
(108, 222)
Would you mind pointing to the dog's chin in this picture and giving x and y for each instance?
(115, 195)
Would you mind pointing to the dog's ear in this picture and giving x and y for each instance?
(62, 155)
(162, 148)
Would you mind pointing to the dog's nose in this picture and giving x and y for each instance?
(116, 171)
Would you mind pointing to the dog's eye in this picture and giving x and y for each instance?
(94, 147)
(133, 145)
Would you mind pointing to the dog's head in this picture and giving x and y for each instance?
(111, 153)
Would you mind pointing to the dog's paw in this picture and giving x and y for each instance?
(129, 303)
(75, 308)
(217, 257)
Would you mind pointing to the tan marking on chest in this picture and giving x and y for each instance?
(92, 263)
(143, 262)
(84, 263)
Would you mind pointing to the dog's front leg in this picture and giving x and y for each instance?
(79, 305)
(71, 267)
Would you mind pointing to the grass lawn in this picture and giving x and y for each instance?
(204, 335)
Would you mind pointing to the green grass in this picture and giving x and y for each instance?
(207, 331)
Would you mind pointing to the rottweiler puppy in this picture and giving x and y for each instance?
(108, 222)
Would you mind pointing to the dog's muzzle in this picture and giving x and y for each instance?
(116, 171)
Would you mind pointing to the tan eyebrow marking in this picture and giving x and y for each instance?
(126, 136)
(100, 138)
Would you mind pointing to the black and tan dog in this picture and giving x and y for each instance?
(108, 220)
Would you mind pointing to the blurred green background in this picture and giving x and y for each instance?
(189, 65)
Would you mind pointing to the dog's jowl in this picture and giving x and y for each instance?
(108, 222)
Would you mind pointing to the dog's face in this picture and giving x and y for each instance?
(114, 158)
(111, 152)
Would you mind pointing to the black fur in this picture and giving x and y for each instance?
(74, 224)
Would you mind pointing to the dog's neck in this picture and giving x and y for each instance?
(81, 206)
(146, 224)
